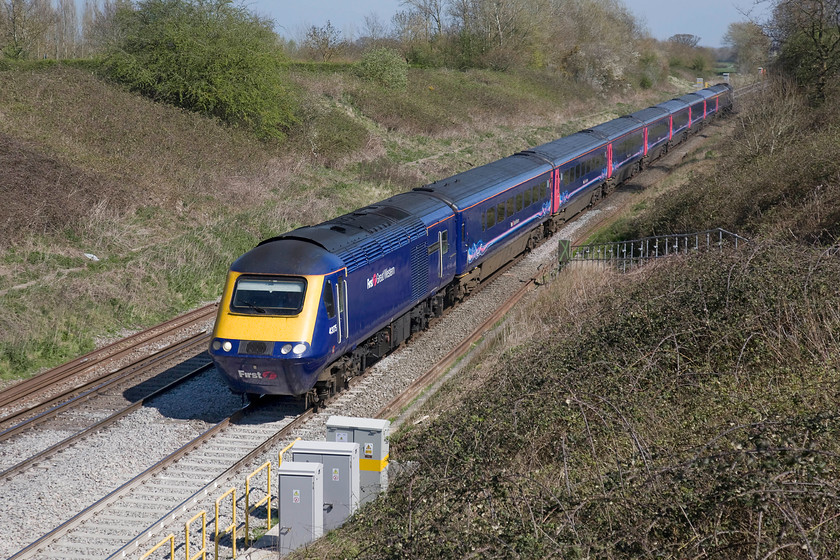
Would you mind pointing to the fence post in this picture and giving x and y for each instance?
(230, 528)
(203, 551)
(266, 500)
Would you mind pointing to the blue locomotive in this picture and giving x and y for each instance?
(303, 312)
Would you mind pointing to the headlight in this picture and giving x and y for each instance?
(227, 346)
(217, 344)
(299, 348)
(286, 349)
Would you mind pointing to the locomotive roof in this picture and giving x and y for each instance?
(651, 114)
(569, 147)
(471, 187)
(616, 128)
(286, 256)
(364, 235)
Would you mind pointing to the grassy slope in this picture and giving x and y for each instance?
(687, 410)
(166, 199)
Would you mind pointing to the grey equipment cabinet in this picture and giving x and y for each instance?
(372, 436)
(300, 504)
(341, 476)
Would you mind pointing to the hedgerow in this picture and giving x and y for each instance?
(208, 56)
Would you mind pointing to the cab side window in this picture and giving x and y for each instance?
(329, 299)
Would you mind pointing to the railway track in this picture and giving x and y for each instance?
(173, 484)
(44, 391)
(162, 498)
(34, 434)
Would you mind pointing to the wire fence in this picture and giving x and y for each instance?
(625, 255)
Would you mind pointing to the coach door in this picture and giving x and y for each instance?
(341, 298)
(440, 250)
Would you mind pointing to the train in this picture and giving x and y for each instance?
(303, 312)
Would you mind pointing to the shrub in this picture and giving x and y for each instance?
(208, 56)
(384, 66)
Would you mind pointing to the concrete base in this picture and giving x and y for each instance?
(266, 548)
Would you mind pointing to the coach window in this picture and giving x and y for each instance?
(519, 202)
(329, 299)
(500, 212)
(528, 198)
(510, 206)
(491, 217)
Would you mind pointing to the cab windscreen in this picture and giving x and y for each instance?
(268, 296)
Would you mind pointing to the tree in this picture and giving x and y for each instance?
(374, 29)
(431, 12)
(592, 40)
(685, 39)
(100, 28)
(495, 33)
(808, 33)
(750, 45)
(325, 41)
(23, 27)
(208, 56)
(65, 29)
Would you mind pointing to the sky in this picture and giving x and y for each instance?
(708, 19)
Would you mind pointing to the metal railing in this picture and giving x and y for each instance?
(230, 529)
(624, 255)
(266, 499)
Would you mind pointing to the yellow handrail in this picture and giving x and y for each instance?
(230, 528)
(203, 551)
(280, 455)
(266, 500)
(170, 539)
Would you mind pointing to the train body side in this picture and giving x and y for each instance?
(496, 205)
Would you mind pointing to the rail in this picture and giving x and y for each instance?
(625, 255)
(111, 353)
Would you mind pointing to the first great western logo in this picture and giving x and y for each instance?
(377, 279)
